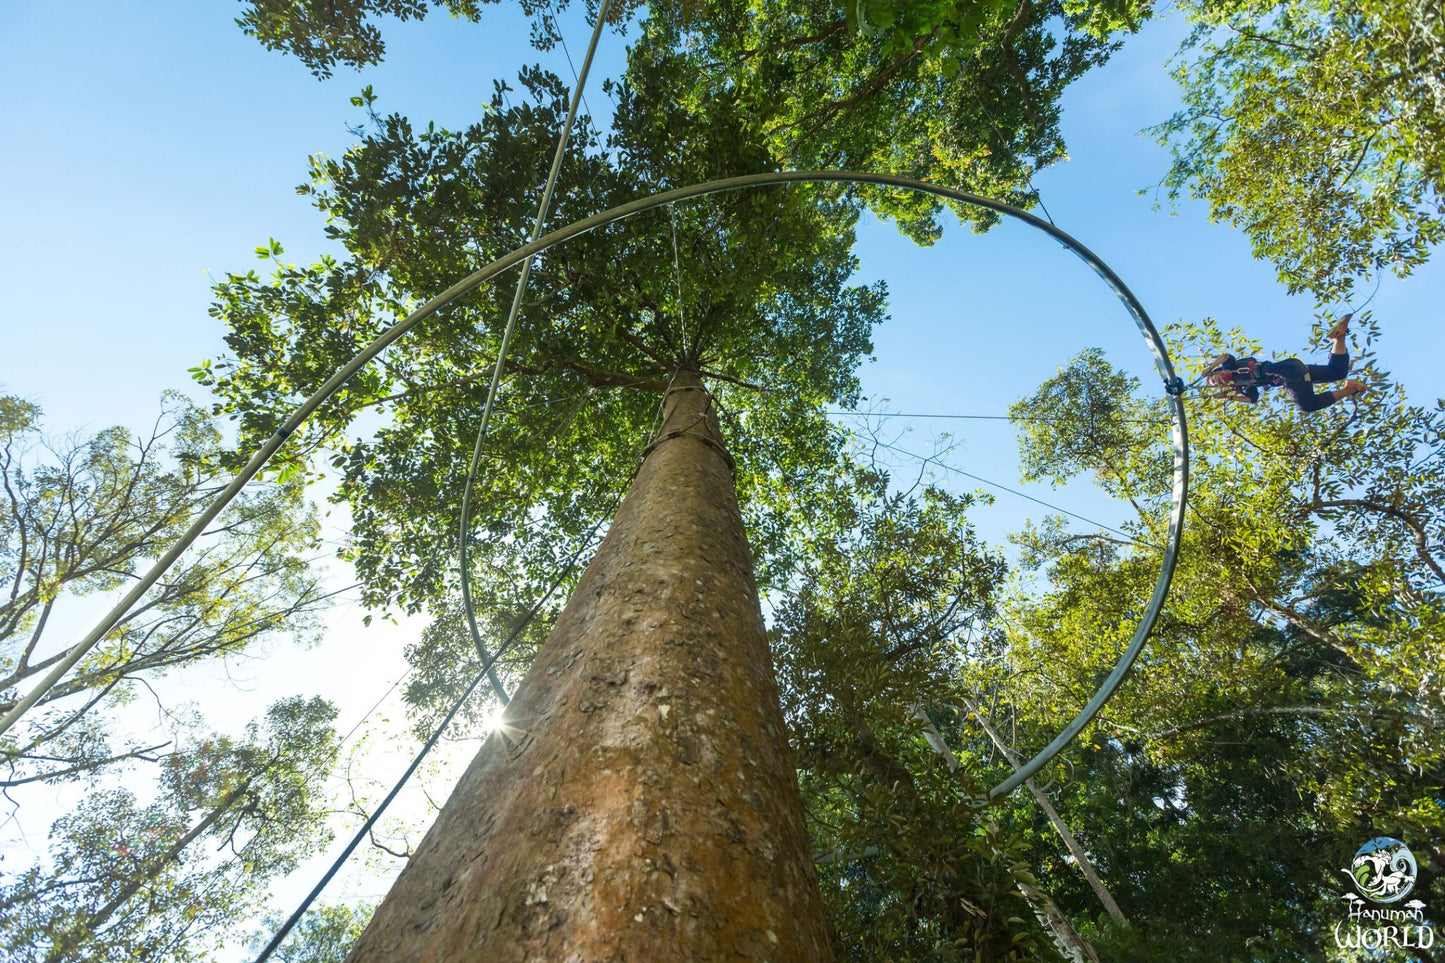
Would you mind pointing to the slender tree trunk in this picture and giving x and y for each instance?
(1071, 843)
(641, 803)
(1067, 940)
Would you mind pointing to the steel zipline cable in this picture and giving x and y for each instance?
(1014, 491)
(1163, 365)
(988, 481)
(463, 522)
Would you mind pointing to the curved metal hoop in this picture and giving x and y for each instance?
(515, 257)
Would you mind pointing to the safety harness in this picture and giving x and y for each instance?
(1247, 373)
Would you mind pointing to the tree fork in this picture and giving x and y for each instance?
(640, 802)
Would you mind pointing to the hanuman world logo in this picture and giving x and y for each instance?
(1384, 870)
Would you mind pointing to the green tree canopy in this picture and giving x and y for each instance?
(1316, 128)
(895, 594)
(130, 879)
(324, 33)
(964, 94)
(1287, 707)
(754, 290)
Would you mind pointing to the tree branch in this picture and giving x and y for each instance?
(1071, 843)
(632, 339)
(730, 379)
(1307, 626)
(1422, 542)
(866, 90)
(793, 44)
(142, 754)
(595, 377)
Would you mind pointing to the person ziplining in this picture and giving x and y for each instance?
(1243, 377)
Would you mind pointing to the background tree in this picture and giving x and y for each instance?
(832, 84)
(324, 935)
(134, 880)
(79, 519)
(1282, 714)
(895, 594)
(1316, 128)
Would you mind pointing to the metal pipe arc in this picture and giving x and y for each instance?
(778, 178)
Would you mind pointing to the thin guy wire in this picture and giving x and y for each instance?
(905, 414)
(507, 331)
(1013, 491)
(550, 12)
(677, 278)
(362, 721)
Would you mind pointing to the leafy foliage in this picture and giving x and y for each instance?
(323, 33)
(324, 935)
(960, 92)
(765, 278)
(896, 593)
(1284, 710)
(133, 880)
(81, 519)
(1316, 128)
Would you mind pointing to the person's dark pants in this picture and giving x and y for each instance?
(1299, 379)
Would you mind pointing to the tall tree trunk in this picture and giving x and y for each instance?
(641, 803)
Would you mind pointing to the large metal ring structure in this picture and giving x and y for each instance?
(515, 257)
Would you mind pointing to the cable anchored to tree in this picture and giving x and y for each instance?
(1013, 491)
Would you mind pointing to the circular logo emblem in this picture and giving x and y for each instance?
(1384, 870)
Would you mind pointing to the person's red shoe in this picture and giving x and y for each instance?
(1341, 326)
(1352, 388)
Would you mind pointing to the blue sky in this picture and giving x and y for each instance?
(146, 145)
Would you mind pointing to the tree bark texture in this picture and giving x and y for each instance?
(640, 802)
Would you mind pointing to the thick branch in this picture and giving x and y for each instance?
(867, 89)
(794, 43)
(595, 377)
(730, 379)
(1307, 626)
(645, 348)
